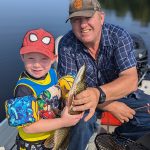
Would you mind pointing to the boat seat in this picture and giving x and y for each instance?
(56, 51)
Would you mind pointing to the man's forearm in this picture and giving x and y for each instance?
(124, 85)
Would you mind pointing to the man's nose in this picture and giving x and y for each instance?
(83, 21)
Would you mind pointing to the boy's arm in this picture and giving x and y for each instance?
(45, 125)
(22, 91)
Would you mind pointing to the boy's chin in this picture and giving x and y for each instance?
(37, 76)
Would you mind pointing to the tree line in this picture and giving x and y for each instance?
(139, 9)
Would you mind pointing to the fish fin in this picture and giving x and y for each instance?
(49, 142)
(59, 137)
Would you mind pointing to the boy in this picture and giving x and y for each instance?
(37, 54)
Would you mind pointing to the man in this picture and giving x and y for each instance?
(111, 74)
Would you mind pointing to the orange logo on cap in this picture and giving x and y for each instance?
(77, 4)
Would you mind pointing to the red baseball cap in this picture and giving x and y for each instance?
(39, 41)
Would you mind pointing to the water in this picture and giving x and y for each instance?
(19, 16)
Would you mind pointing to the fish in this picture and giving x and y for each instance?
(60, 139)
(77, 87)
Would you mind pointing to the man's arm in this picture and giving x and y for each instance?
(124, 85)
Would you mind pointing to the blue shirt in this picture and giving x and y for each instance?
(115, 55)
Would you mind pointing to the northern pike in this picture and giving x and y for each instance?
(61, 136)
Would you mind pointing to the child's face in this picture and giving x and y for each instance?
(37, 64)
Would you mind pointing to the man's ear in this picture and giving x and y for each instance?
(102, 17)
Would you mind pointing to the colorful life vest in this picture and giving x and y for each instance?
(37, 86)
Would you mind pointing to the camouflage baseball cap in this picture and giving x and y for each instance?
(85, 8)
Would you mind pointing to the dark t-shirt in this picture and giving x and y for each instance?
(23, 90)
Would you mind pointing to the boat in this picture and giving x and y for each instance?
(8, 134)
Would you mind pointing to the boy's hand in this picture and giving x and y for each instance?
(70, 120)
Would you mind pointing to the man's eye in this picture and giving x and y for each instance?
(88, 18)
(75, 19)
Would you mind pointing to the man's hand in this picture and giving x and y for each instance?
(120, 110)
(87, 100)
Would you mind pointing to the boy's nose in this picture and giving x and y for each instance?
(36, 64)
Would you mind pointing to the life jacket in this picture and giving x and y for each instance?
(37, 86)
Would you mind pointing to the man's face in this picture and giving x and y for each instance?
(36, 64)
(88, 30)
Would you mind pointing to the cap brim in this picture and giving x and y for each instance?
(32, 49)
(83, 13)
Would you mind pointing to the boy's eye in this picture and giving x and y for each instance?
(45, 58)
(30, 58)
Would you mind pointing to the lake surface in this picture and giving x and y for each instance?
(19, 16)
